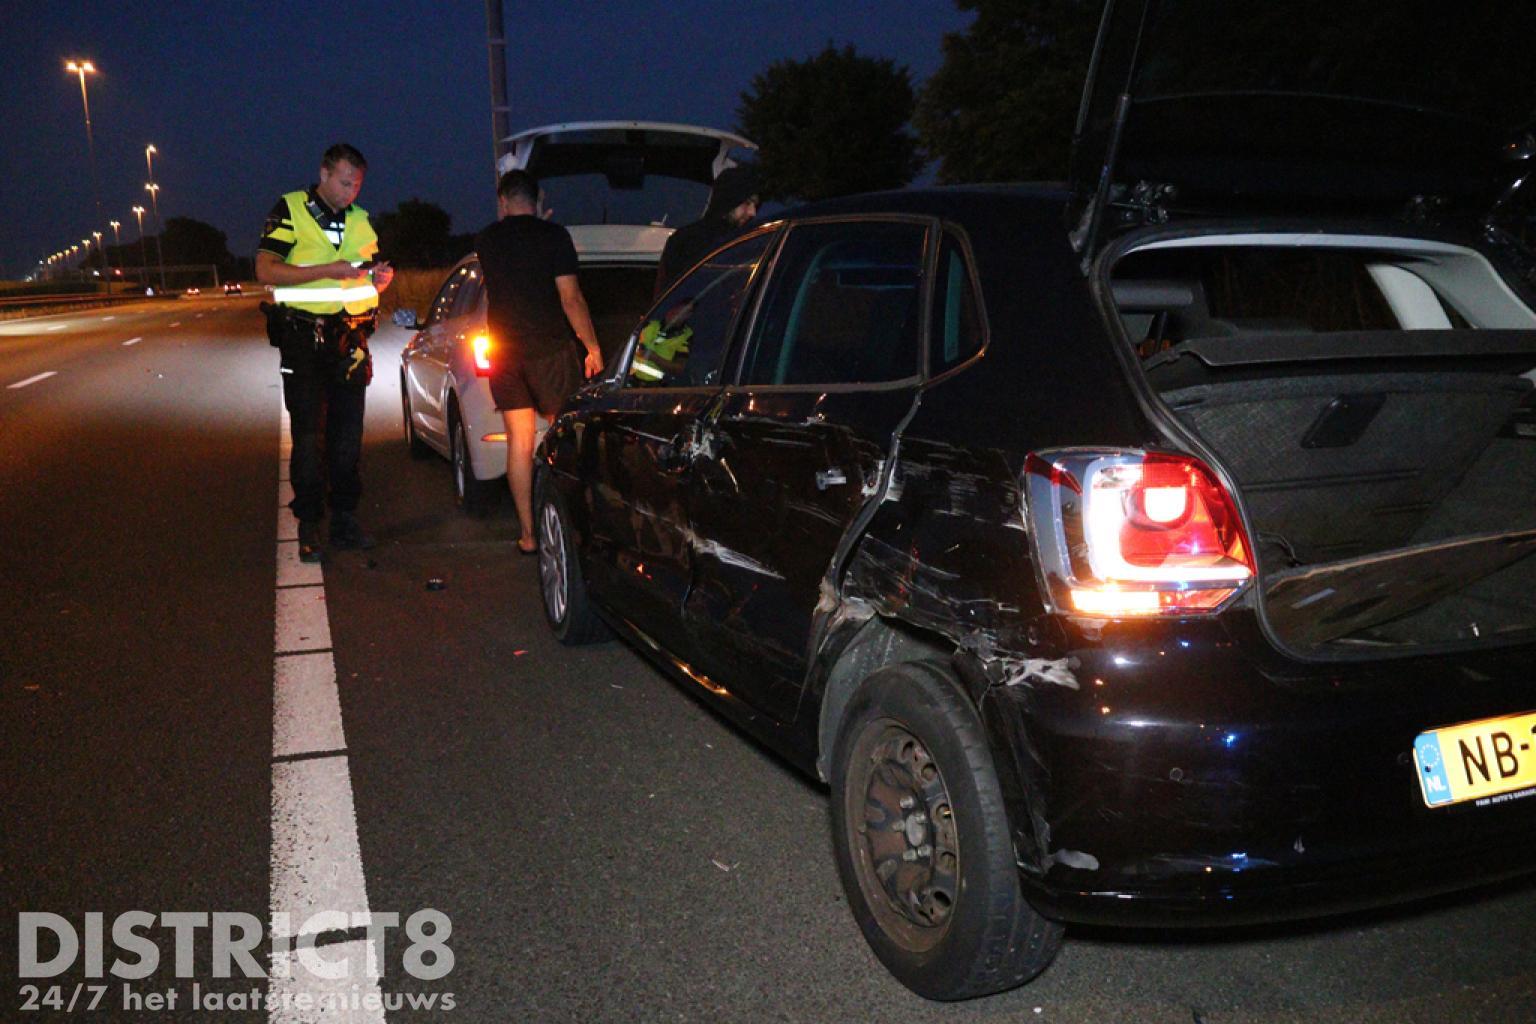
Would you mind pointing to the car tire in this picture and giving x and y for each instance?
(474, 496)
(418, 447)
(938, 897)
(566, 605)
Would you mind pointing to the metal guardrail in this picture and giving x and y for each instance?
(68, 298)
(39, 305)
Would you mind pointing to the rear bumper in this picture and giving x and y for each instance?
(488, 459)
(1185, 783)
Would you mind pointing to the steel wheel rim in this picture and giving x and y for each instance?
(460, 462)
(552, 567)
(900, 828)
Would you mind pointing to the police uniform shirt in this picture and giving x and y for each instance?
(277, 236)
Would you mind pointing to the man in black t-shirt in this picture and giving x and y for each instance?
(534, 306)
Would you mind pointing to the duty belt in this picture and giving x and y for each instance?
(328, 319)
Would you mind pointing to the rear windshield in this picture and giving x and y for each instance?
(591, 199)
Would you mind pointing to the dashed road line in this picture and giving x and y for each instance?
(316, 863)
(176, 323)
(58, 327)
(32, 380)
(106, 318)
(132, 341)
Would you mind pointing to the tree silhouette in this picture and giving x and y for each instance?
(1002, 105)
(417, 234)
(831, 125)
(188, 241)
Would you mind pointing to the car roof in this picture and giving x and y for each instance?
(963, 203)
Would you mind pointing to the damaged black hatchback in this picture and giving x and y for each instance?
(1151, 551)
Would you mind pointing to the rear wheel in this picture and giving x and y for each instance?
(566, 605)
(419, 449)
(472, 495)
(923, 844)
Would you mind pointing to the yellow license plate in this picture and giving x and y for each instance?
(1490, 761)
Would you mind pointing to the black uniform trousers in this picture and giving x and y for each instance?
(325, 414)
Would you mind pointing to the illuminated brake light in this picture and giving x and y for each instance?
(1115, 603)
(480, 347)
(1126, 533)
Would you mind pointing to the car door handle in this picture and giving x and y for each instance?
(830, 478)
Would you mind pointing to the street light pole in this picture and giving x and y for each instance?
(154, 201)
(81, 68)
(117, 243)
(496, 45)
(138, 211)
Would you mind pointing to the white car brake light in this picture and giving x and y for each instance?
(1121, 533)
(480, 348)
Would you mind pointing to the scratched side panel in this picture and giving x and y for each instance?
(947, 553)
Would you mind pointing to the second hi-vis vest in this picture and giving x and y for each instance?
(311, 247)
(655, 341)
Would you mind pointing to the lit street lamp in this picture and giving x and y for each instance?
(117, 243)
(81, 68)
(154, 201)
(138, 211)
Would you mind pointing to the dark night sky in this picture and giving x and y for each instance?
(241, 98)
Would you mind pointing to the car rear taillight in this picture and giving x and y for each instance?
(480, 348)
(1128, 533)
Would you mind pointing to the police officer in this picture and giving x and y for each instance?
(317, 253)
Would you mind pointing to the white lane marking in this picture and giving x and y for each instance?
(302, 622)
(33, 380)
(199, 316)
(289, 979)
(293, 573)
(316, 863)
(132, 341)
(106, 318)
(176, 323)
(58, 327)
(306, 710)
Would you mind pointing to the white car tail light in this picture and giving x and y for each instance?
(480, 349)
(1121, 533)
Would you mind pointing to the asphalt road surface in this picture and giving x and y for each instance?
(604, 847)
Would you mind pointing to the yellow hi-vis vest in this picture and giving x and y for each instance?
(312, 247)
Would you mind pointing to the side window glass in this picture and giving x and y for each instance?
(957, 333)
(844, 307)
(469, 292)
(682, 341)
(442, 306)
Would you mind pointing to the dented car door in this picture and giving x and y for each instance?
(794, 452)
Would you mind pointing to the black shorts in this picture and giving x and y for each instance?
(541, 384)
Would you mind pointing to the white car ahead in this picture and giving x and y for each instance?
(620, 187)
